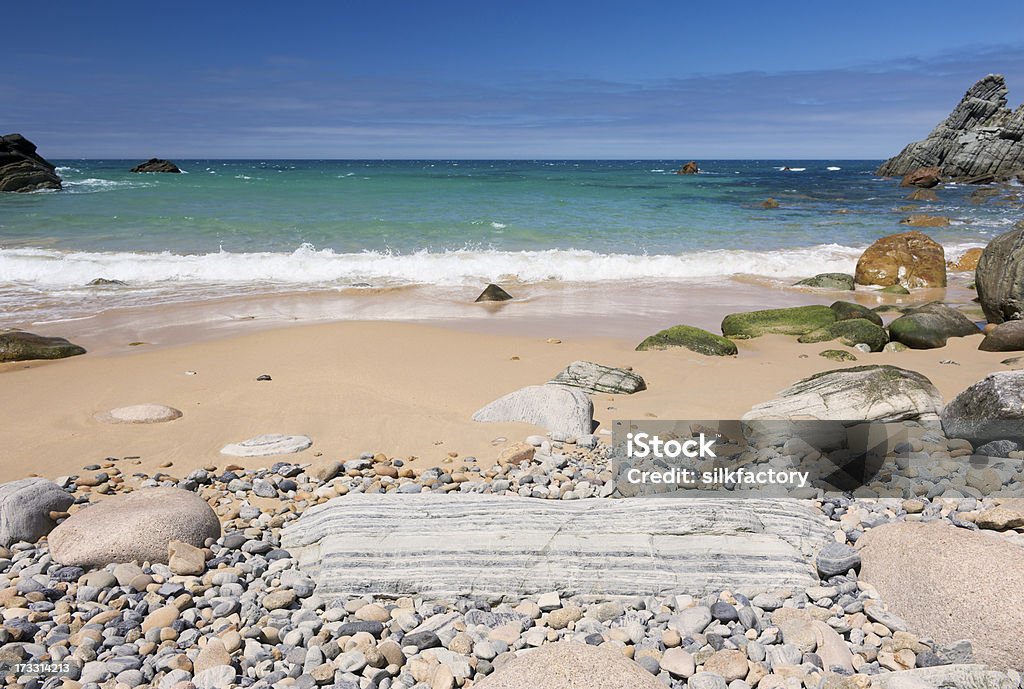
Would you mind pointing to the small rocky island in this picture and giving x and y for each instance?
(156, 165)
(22, 169)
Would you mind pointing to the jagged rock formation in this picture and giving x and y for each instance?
(980, 141)
(22, 169)
(156, 165)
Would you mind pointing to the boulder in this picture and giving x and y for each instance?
(769, 203)
(20, 346)
(689, 337)
(999, 277)
(950, 584)
(846, 310)
(894, 289)
(493, 293)
(689, 168)
(141, 413)
(562, 410)
(959, 676)
(929, 326)
(922, 177)
(967, 261)
(25, 507)
(980, 141)
(836, 281)
(156, 165)
(137, 526)
(571, 665)
(797, 320)
(22, 169)
(594, 378)
(862, 393)
(922, 195)
(850, 332)
(910, 259)
(106, 282)
(1005, 337)
(267, 445)
(991, 409)
(922, 220)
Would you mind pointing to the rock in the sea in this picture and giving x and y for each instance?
(850, 332)
(862, 393)
(922, 177)
(951, 584)
(436, 545)
(846, 310)
(594, 378)
(571, 665)
(689, 337)
(25, 507)
(562, 410)
(980, 141)
(922, 220)
(494, 293)
(689, 168)
(21, 346)
(1005, 337)
(967, 261)
(835, 281)
(22, 169)
(962, 676)
(141, 413)
(135, 526)
(930, 326)
(910, 259)
(991, 409)
(927, 195)
(266, 445)
(894, 289)
(999, 277)
(106, 282)
(156, 165)
(769, 203)
(797, 320)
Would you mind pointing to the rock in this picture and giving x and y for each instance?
(922, 220)
(895, 347)
(557, 545)
(944, 677)
(869, 393)
(25, 507)
(678, 662)
(729, 665)
(832, 649)
(922, 195)
(493, 293)
(999, 277)
(991, 409)
(595, 378)
(216, 677)
(105, 282)
(846, 311)
(797, 320)
(967, 261)
(22, 169)
(837, 558)
(140, 413)
(837, 355)
(570, 665)
(930, 326)
(563, 617)
(185, 559)
(156, 165)
(769, 203)
(922, 177)
(909, 259)
(951, 584)
(20, 346)
(214, 653)
(894, 289)
(981, 140)
(706, 680)
(1001, 518)
(850, 332)
(560, 409)
(270, 444)
(1005, 337)
(279, 600)
(160, 618)
(835, 281)
(689, 168)
(689, 337)
(134, 526)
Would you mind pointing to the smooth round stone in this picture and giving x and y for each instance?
(141, 413)
(837, 558)
(271, 444)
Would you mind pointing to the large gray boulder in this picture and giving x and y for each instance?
(509, 547)
(931, 326)
(16, 345)
(980, 141)
(1005, 337)
(571, 665)
(999, 277)
(564, 411)
(960, 676)
(136, 526)
(22, 169)
(594, 378)
(863, 393)
(991, 409)
(25, 507)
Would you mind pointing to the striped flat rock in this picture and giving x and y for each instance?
(266, 445)
(509, 547)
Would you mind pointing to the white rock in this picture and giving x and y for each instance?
(141, 413)
(25, 507)
(561, 410)
(270, 444)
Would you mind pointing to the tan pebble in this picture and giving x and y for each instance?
(552, 340)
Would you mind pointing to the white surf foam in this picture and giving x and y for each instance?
(833, 168)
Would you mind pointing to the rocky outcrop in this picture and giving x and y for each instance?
(999, 277)
(797, 320)
(910, 259)
(22, 169)
(930, 326)
(689, 337)
(571, 664)
(959, 676)
(966, 261)
(594, 378)
(156, 165)
(836, 281)
(922, 177)
(494, 293)
(22, 346)
(435, 545)
(980, 141)
(26, 506)
(991, 409)
(564, 411)
(689, 168)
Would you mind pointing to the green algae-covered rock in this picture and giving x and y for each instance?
(21, 346)
(838, 355)
(797, 320)
(837, 281)
(894, 289)
(689, 337)
(929, 326)
(847, 310)
(850, 333)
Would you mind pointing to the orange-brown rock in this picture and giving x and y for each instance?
(911, 259)
(922, 220)
(967, 261)
(922, 195)
(769, 203)
(689, 169)
(923, 177)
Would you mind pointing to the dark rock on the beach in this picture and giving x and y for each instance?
(25, 507)
(847, 310)
(928, 195)
(562, 410)
(22, 169)
(263, 378)
(493, 293)
(991, 409)
(999, 277)
(106, 282)
(850, 332)
(922, 177)
(797, 320)
(595, 378)
(689, 337)
(980, 141)
(21, 346)
(1005, 337)
(836, 281)
(156, 165)
(689, 168)
(769, 203)
(894, 289)
(837, 355)
(837, 558)
(910, 259)
(930, 326)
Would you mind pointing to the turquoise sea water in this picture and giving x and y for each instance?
(243, 226)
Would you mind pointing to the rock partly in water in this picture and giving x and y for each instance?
(930, 326)
(136, 526)
(493, 293)
(769, 203)
(862, 393)
(571, 665)
(594, 378)
(106, 282)
(141, 413)
(156, 165)
(999, 277)
(965, 262)
(927, 195)
(22, 169)
(834, 281)
(991, 409)
(922, 177)
(894, 289)
(922, 220)
(25, 507)
(268, 444)
(797, 320)
(21, 346)
(689, 168)
(564, 411)
(851, 333)
(846, 310)
(980, 141)
(1005, 337)
(910, 259)
(689, 337)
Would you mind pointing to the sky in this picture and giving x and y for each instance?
(489, 79)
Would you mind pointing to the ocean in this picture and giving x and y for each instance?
(230, 227)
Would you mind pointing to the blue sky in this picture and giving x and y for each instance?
(487, 79)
